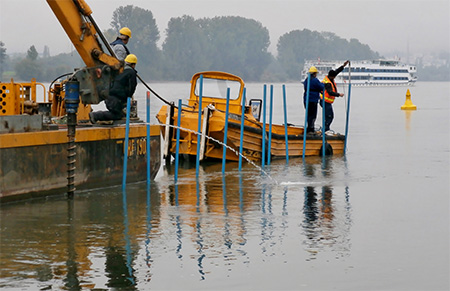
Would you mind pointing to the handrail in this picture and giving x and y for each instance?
(21, 93)
(21, 96)
(43, 87)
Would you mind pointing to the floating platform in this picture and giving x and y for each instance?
(213, 118)
(34, 164)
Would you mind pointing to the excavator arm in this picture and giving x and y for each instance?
(95, 79)
(75, 17)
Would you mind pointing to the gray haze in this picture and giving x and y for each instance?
(387, 26)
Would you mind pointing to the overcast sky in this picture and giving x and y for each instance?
(384, 25)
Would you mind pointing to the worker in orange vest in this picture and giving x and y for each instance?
(330, 93)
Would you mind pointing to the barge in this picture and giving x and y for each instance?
(213, 118)
(34, 149)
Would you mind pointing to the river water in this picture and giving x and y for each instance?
(376, 219)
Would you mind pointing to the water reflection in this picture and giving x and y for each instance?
(129, 278)
(407, 120)
(71, 280)
(62, 244)
(148, 256)
(214, 207)
(113, 239)
(326, 224)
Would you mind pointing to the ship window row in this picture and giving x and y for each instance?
(357, 77)
(391, 78)
(365, 70)
(374, 78)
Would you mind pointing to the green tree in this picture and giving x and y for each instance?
(144, 38)
(46, 53)
(232, 44)
(32, 53)
(359, 51)
(297, 46)
(186, 48)
(239, 46)
(60, 64)
(29, 68)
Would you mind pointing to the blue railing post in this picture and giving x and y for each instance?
(199, 126)
(348, 108)
(225, 135)
(306, 114)
(241, 143)
(269, 146)
(148, 137)
(323, 123)
(177, 152)
(285, 124)
(263, 133)
(125, 145)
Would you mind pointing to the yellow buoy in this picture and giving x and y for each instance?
(408, 103)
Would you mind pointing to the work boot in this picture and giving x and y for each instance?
(92, 117)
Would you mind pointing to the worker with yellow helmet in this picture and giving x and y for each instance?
(315, 88)
(119, 45)
(123, 87)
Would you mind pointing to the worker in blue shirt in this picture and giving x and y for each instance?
(315, 88)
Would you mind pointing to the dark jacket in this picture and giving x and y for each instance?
(124, 84)
(329, 86)
(315, 87)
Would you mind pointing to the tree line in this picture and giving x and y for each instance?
(232, 44)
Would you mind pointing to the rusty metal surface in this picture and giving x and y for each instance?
(34, 171)
(94, 83)
(20, 123)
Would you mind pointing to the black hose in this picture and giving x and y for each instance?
(151, 90)
(59, 77)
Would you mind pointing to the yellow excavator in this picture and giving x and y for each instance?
(94, 80)
(33, 133)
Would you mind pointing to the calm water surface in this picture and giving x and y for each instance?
(377, 219)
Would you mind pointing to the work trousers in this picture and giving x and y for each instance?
(329, 114)
(114, 106)
(312, 115)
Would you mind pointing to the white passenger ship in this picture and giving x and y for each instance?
(366, 73)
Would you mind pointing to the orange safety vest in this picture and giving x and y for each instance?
(329, 98)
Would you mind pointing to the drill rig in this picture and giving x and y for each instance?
(96, 78)
(32, 143)
(88, 85)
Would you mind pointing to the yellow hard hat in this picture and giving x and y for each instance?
(313, 70)
(131, 59)
(125, 31)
